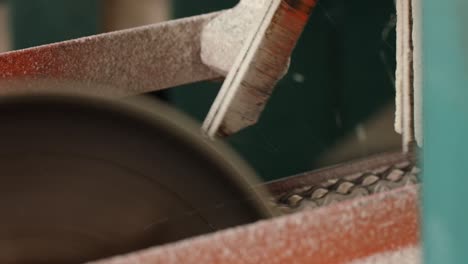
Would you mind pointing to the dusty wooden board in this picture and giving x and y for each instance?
(340, 233)
(115, 64)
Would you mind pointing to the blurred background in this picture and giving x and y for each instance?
(336, 104)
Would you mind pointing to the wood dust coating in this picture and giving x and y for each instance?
(267, 65)
(120, 63)
(340, 233)
(410, 255)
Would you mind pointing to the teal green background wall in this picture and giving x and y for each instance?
(37, 22)
(445, 157)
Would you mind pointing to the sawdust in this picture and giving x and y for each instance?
(327, 235)
(224, 36)
(121, 63)
(260, 64)
(411, 255)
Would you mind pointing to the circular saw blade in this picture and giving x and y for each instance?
(86, 178)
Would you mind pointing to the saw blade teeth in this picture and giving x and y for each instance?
(349, 187)
(345, 188)
(319, 193)
(295, 200)
(395, 175)
(370, 180)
